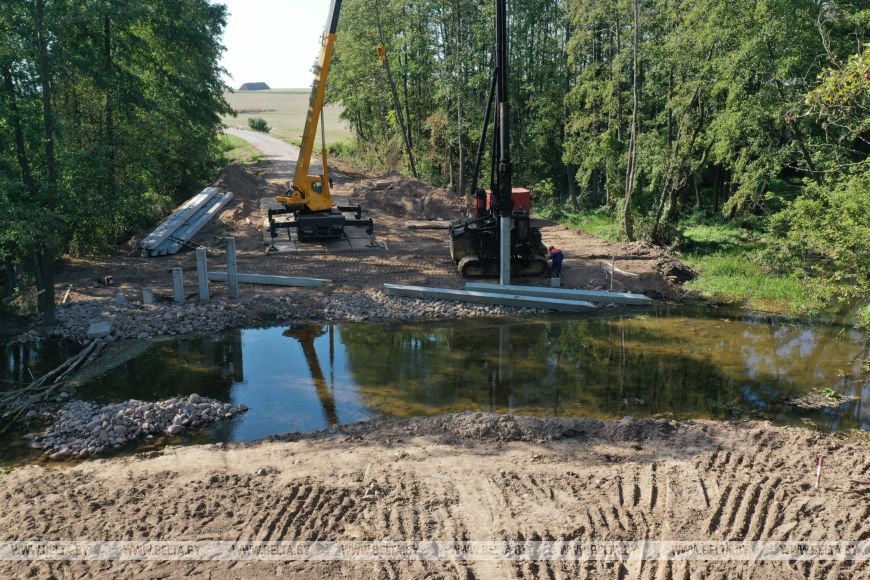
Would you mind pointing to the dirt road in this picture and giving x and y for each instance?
(462, 477)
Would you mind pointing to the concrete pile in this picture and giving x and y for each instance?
(82, 429)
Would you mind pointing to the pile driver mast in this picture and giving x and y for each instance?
(498, 239)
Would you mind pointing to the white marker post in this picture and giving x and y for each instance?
(819, 471)
(178, 285)
(232, 269)
(202, 273)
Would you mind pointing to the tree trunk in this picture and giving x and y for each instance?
(111, 187)
(571, 175)
(396, 104)
(45, 256)
(20, 145)
(627, 221)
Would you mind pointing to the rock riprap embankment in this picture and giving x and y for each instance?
(145, 321)
(376, 305)
(141, 321)
(84, 428)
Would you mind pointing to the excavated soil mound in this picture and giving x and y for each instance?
(244, 184)
(403, 197)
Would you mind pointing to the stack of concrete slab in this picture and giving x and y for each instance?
(520, 296)
(185, 222)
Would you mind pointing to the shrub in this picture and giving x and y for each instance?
(259, 124)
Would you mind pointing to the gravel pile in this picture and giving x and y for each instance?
(83, 428)
(375, 305)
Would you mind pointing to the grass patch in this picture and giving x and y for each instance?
(730, 261)
(598, 223)
(237, 150)
(728, 258)
(737, 277)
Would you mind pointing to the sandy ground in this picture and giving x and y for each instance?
(414, 256)
(460, 477)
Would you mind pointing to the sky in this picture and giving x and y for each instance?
(273, 41)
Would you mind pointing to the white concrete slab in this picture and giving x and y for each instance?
(268, 280)
(563, 293)
(516, 300)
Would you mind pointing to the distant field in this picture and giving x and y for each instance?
(285, 111)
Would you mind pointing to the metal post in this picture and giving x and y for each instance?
(178, 285)
(232, 271)
(147, 296)
(505, 255)
(202, 273)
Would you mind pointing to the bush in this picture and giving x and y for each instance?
(345, 149)
(259, 124)
(824, 238)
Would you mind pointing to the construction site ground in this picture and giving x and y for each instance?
(405, 255)
(468, 477)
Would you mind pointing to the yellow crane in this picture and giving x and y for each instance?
(308, 199)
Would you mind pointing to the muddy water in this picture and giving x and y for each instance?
(671, 362)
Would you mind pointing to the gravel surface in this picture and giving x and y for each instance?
(139, 321)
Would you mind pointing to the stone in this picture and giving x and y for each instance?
(99, 329)
(175, 430)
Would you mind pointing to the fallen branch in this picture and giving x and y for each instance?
(16, 403)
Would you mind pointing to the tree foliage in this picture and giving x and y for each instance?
(650, 110)
(108, 116)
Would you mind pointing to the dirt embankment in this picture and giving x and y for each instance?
(404, 197)
(474, 477)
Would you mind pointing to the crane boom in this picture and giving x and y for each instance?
(315, 104)
(308, 197)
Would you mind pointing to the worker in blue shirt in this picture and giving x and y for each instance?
(556, 256)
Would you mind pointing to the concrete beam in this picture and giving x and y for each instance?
(487, 298)
(267, 280)
(563, 293)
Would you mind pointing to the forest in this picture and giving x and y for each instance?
(732, 131)
(109, 112)
(744, 120)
